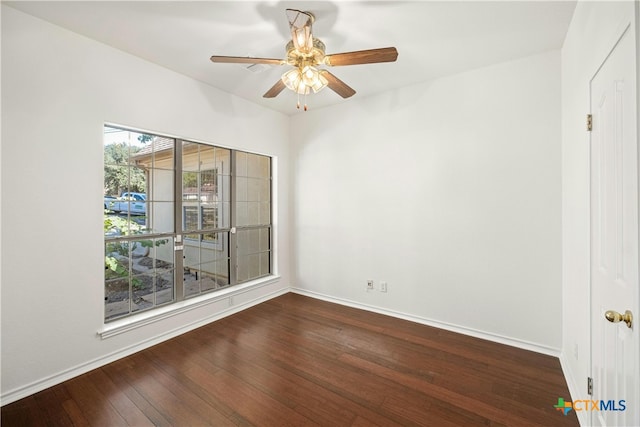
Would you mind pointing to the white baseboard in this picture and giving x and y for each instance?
(525, 345)
(52, 380)
(576, 392)
(44, 383)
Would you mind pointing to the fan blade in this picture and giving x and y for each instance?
(300, 25)
(275, 90)
(371, 56)
(337, 85)
(246, 60)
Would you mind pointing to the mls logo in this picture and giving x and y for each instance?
(563, 406)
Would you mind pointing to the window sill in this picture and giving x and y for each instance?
(120, 326)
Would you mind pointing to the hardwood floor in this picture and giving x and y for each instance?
(299, 361)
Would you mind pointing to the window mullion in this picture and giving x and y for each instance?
(233, 239)
(177, 212)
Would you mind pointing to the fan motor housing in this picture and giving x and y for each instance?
(301, 59)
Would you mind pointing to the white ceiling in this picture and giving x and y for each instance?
(433, 38)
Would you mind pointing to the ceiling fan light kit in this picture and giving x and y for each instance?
(303, 80)
(305, 53)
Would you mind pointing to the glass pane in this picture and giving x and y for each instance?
(242, 241)
(223, 161)
(253, 189)
(206, 259)
(265, 243)
(193, 258)
(152, 271)
(222, 272)
(190, 221)
(124, 223)
(210, 221)
(189, 186)
(254, 266)
(116, 300)
(141, 147)
(190, 156)
(163, 253)
(138, 180)
(208, 280)
(163, 150)
(253, 213)
(117, 273)
(208, 254)
(254, 241)
(241, 163)
(160, 217)
(224, 215)
(208, 185)
(191, 252)
(265, 265)
(191, 282)
(241, 189)
(116, 179)
(265, 167)
(224, 188)
(254, 166)
(253, 253)
(164, 287)
(265, 213)
(242, 214)
(161, 185)
(137, 184)
(142, 286)
(243, 269)
(265, 191)
(207, 157)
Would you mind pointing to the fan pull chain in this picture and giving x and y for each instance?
(305, 101)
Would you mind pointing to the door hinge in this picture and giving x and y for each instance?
(589, 122)
(590, 386)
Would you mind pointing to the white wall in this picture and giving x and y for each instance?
(594, 29)
(58, 89)
(449, 191)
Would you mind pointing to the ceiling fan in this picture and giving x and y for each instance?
(305, 53)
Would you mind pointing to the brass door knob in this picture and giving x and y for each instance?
(615, 317)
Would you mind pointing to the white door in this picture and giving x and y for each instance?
(615, 352)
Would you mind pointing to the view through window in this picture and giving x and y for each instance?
(180, 219)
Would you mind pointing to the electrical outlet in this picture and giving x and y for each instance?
(369, 285)
(383, 286)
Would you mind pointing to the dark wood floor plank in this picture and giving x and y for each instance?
(246, 400)
(295, 360)
(281, 383)
(76, 413)
(24, 412)
(179, 406)
(95, 405)
(54, 414)
(127, 409)
(114, 372)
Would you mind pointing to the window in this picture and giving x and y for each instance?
(214, 201)
(206, 203)
(253, 215)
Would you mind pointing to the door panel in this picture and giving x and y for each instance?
(615, 354)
